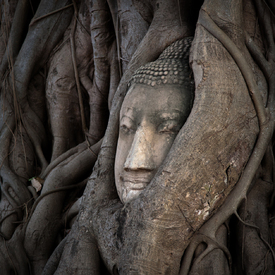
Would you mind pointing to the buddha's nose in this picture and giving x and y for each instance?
(140, 156)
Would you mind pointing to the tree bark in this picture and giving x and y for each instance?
(65, 67)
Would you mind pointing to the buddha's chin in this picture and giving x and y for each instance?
(130, 194)
(131, 185)
(131, 190)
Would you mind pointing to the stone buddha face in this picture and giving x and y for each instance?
(150, 119)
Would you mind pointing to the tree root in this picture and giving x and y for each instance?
(7, 255)
(45, 217)
(8, 215)
(38, 43)
(81, 106)
(19, 26)
(259, 232)
(206, 21)
(266, 123)
(211, 244)
(60, 189)
(77, 157)
(35, 134)
(53, 261)
(50, 13)
(14, 190)
(64, 157)
(15, 260)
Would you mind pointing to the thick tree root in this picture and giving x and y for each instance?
(16, 35)
(14, 259)
(48, 14)
(53, 261)
(211, 244)
(266, 123)
(64, 157)
(46, 224)
(259, 232)
(81, 106)
(14, 189)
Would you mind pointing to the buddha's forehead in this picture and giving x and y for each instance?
(145, 99)
(157, 91)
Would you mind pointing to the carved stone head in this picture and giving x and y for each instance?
(157, 104)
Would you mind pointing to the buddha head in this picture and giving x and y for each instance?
(156, 106)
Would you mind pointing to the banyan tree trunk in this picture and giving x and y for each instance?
(150, 234)
(180, 223)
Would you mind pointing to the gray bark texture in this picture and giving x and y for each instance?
(65, 67)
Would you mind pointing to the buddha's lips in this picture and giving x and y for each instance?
(135, 183)
(135, 186)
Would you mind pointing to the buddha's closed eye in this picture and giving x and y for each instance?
(127, 125)
(169, 126)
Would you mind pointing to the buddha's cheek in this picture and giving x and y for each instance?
(123, 148)
(162, 147)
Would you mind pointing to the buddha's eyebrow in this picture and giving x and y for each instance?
(174, 114)
(125, 115)
(129, 113)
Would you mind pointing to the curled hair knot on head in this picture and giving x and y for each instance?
(172, 67)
